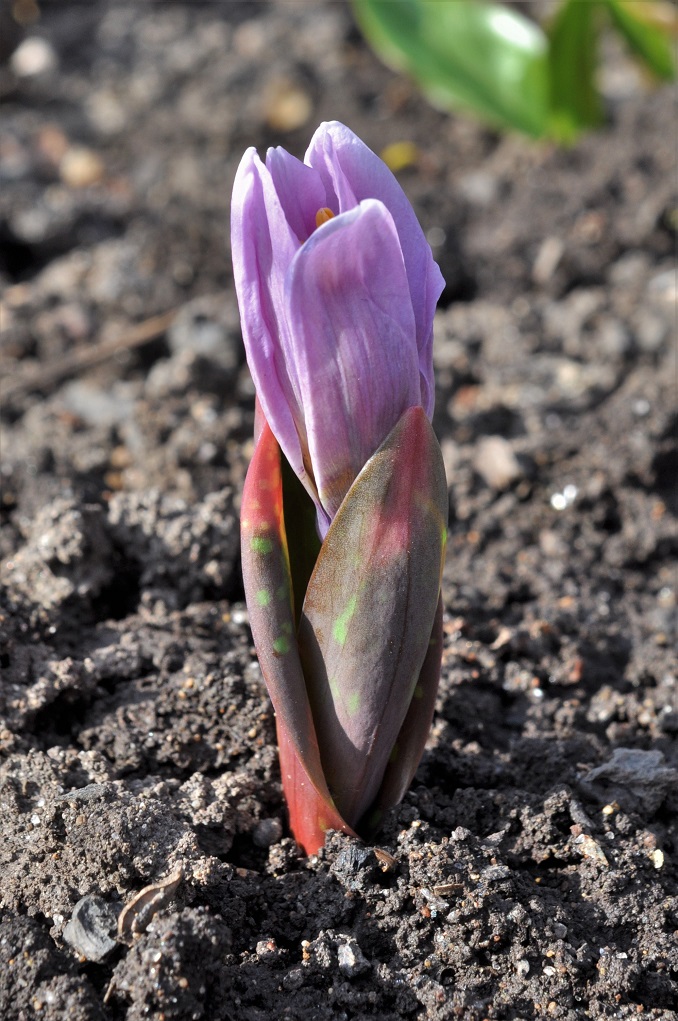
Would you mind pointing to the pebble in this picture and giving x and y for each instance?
(479, 188)
(351, 959)
(657, 858)
(294, 979)
(95, 406)
(202, 328)
(652, 331)
(267, 832)
(664, 287)
(643, 776)
(81, 168)
(34, 56)
(496, 463)
(548, 257)
(286, 106)
(89, 930)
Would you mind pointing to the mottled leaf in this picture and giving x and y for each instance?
(268, 591)
(369, 610)
(311, 815)
(409, 747)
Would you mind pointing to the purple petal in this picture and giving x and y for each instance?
(263, 246)
(352, 343)
(300, 190)
(351, 170)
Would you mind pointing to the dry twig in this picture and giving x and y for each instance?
(43, 378)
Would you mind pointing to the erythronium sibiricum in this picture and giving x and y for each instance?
(344, 508)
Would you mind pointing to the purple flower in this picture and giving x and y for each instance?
(337, 289)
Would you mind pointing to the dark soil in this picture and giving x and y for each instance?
(536, 855)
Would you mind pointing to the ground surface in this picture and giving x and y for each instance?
(536, 856)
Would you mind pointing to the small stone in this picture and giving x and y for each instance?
(548, 257)
(634, 778)
(496, 463)
(351, 959)
(34, 56)
(657, 858)
(664, 287)
(495, 873)
(294, 979)
(81, 168)
(265, 947)
(460, 834)
(95, 406)
(286, 106)
(267, 832)
(591, 849)
(479, 188)
(89, 930)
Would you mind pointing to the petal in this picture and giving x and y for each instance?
(263, 246)
(349, 167)
(300, 190)
(353, 344)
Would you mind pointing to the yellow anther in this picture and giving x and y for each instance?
(323, 215)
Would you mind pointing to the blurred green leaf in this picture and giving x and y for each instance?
(481, 56)
(645, 27)
(573, 37)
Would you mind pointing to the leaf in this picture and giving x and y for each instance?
(483, 57)
(302, 535)
(268, 591)
(409, 747)
(575, 103)
(645, 27)
(369, 610)
(311, 815)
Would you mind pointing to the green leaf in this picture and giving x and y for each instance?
(483, 57)
(641, 25)
(573, 51)
(370, 607)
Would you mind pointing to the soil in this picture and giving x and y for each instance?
(531, 870)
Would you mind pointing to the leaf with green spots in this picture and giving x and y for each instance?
(265, 567)
(340, 629)
(369, 612)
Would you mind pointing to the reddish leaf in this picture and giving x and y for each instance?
(370, 607)
(311, 815)
(269, 599)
